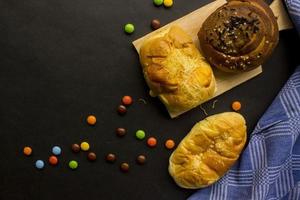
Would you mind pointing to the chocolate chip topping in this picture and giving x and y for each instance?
(239, 35)
(233, 34)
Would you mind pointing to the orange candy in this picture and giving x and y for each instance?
(170, 144)
(27, 151)
(91, 120)
(151, 142)
(127, 100)
(236, 106)
(53, 160)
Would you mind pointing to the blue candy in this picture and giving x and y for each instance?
(39, 164)
(56, 150)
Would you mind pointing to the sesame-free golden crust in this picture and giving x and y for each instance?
(175, 71)
(208, 150)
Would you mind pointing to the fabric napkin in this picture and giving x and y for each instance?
(269, 168)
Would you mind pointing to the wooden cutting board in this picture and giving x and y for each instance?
(192, 22)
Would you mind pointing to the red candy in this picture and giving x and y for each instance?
(127, 100)
(53, 160)
(151, 142)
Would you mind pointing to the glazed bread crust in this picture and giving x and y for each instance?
(175, 71)
(239, 36)
(208, 151)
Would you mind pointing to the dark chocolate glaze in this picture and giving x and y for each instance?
(239, 36)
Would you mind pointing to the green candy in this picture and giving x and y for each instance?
(158, 2)
(129, 28)
(140, 134)
(73, 164)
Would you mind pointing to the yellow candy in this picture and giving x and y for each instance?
(168, 3)
(84, 146)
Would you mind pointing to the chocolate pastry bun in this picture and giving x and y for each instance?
(239, 36)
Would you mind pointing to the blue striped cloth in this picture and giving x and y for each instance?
(269, 168)
(294, 10)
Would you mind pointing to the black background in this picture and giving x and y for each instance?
(61, 60)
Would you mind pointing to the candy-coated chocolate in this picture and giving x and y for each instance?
(151, 142)
(124, 167)
(140, 134)
(168, 3)
(236, 106)
(158, 2)
(39, 164)
(141, 159)
(127, 100)
(129, 28)
(110, 157)
(75, 148)
(91, 156)
(155, 24)
(122, 110)
(84, 146)
(53, 160)
(170, 144)
(120, 132)
(56, 150)
(91, 120)
(27, 151)
(73, 164)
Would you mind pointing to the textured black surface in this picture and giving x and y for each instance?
(60, 61)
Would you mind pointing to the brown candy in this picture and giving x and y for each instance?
(120, 132)
(155, 24)
(141, 159)
(75, 148)
(110, 157)
(122, 110)
(124, 167)
(91, 156)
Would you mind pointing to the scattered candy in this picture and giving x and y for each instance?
(91, 120)
(75, 148)
(124, 167)
(53, 160)
(155, 24)
(140, 134)
(129, 28)
(168, 3)
(170, 144)
(236, 106)
(91, 156)
(27, 151)
(39, 164)
(141, 159)
(73, 164)
(127, 100)
(110, 157)
(56, 150)
(158, 2)
(122, 110)
(151, 142)
(84, 146)
(120, 132)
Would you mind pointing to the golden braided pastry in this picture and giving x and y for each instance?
(208, 151)
(175, 71)
(239, 35)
